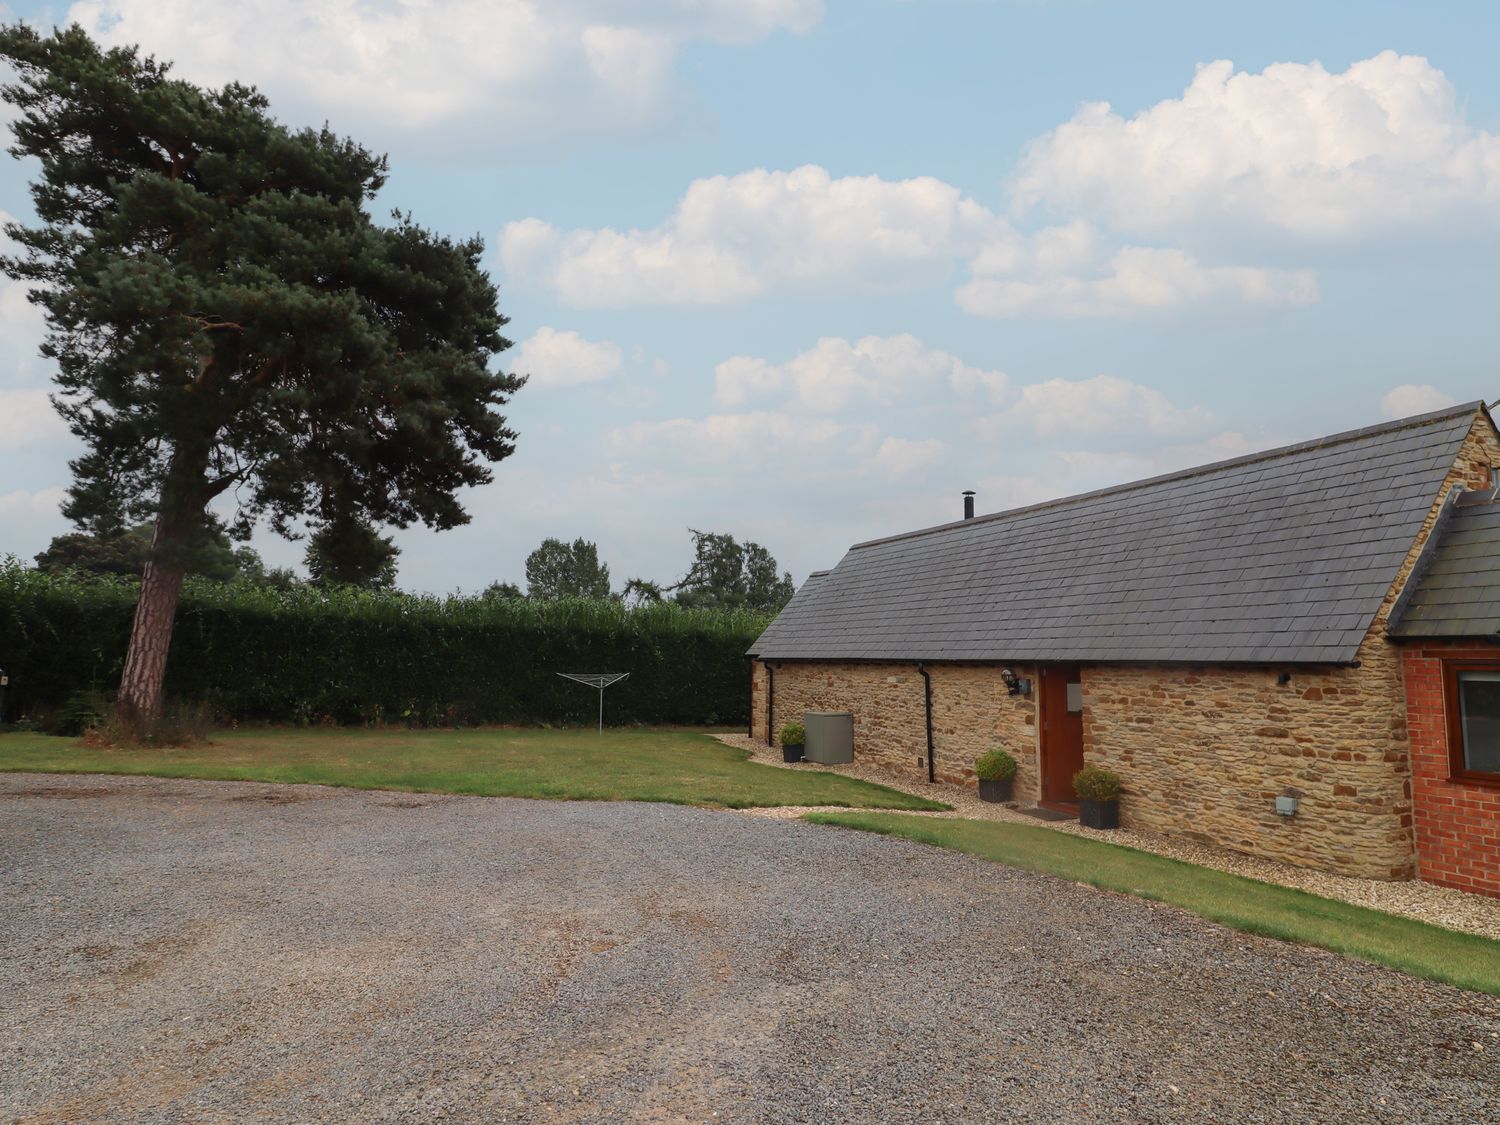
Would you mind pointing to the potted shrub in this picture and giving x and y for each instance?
(793, 739)
(1098, 797)
(996, 771)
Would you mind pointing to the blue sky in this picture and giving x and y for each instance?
(803, 271)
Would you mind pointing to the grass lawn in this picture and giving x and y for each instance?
(676, 766)
(1465, 960)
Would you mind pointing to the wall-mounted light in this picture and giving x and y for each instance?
(1014, 684)
(1283, 679)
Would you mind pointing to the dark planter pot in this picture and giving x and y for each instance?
(1099, 814)
(791, 753)
(997, 792)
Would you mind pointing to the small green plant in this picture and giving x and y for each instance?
(1095, 784)
(995, 765)
(794, 734)
(83, 712)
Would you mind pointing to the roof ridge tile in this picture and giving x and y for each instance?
(1413, 422)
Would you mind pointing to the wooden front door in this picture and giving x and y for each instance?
(1062, 731)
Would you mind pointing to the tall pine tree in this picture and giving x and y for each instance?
(226, 317)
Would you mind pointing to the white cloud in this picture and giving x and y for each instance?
(1138, 280)
(22, 324)
(1295, 147)
(724, 438)
(1413, 398)
(31, 519)
(18, 315)
(785, 445)
(734, 237)
(504, 72)
(28, 419)
(45, 502)
(554, 358)
(835, 375)
(897, 456)
(608, 269)
(1051, 250)
(1123, 424)
(1105, 404)
(1005, 491)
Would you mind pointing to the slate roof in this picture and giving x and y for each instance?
(1277, 557)
(1455, 591)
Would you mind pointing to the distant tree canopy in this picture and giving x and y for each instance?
(503, 591)
(337, 555)
(125, 551)
(730, 575)
(566, 570)
(725, 574)
(226, 317)
(254, 571)
(119, 552)
(350, 552)
(642, 591)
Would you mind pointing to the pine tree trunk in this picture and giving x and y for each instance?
(140, 696)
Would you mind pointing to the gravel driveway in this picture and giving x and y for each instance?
(186, 951)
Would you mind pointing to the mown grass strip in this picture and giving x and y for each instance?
(672, 766)
(1422, 950)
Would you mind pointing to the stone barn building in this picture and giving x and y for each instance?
(1319, 621)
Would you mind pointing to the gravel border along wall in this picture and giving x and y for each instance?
(1426, 902)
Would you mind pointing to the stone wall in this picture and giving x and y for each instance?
(1457, 821)
(1204, 752)
(971, 711)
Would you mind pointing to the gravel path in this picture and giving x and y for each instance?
(1426, 902)
(187, 951)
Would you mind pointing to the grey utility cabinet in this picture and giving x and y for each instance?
(830, 737)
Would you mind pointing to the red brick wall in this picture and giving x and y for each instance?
(1457, 823)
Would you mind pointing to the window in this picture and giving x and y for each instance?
(1474, 720)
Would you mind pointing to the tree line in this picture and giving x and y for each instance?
(333, 557)
(724, 573)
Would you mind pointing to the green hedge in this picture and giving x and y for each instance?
(353, 656)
